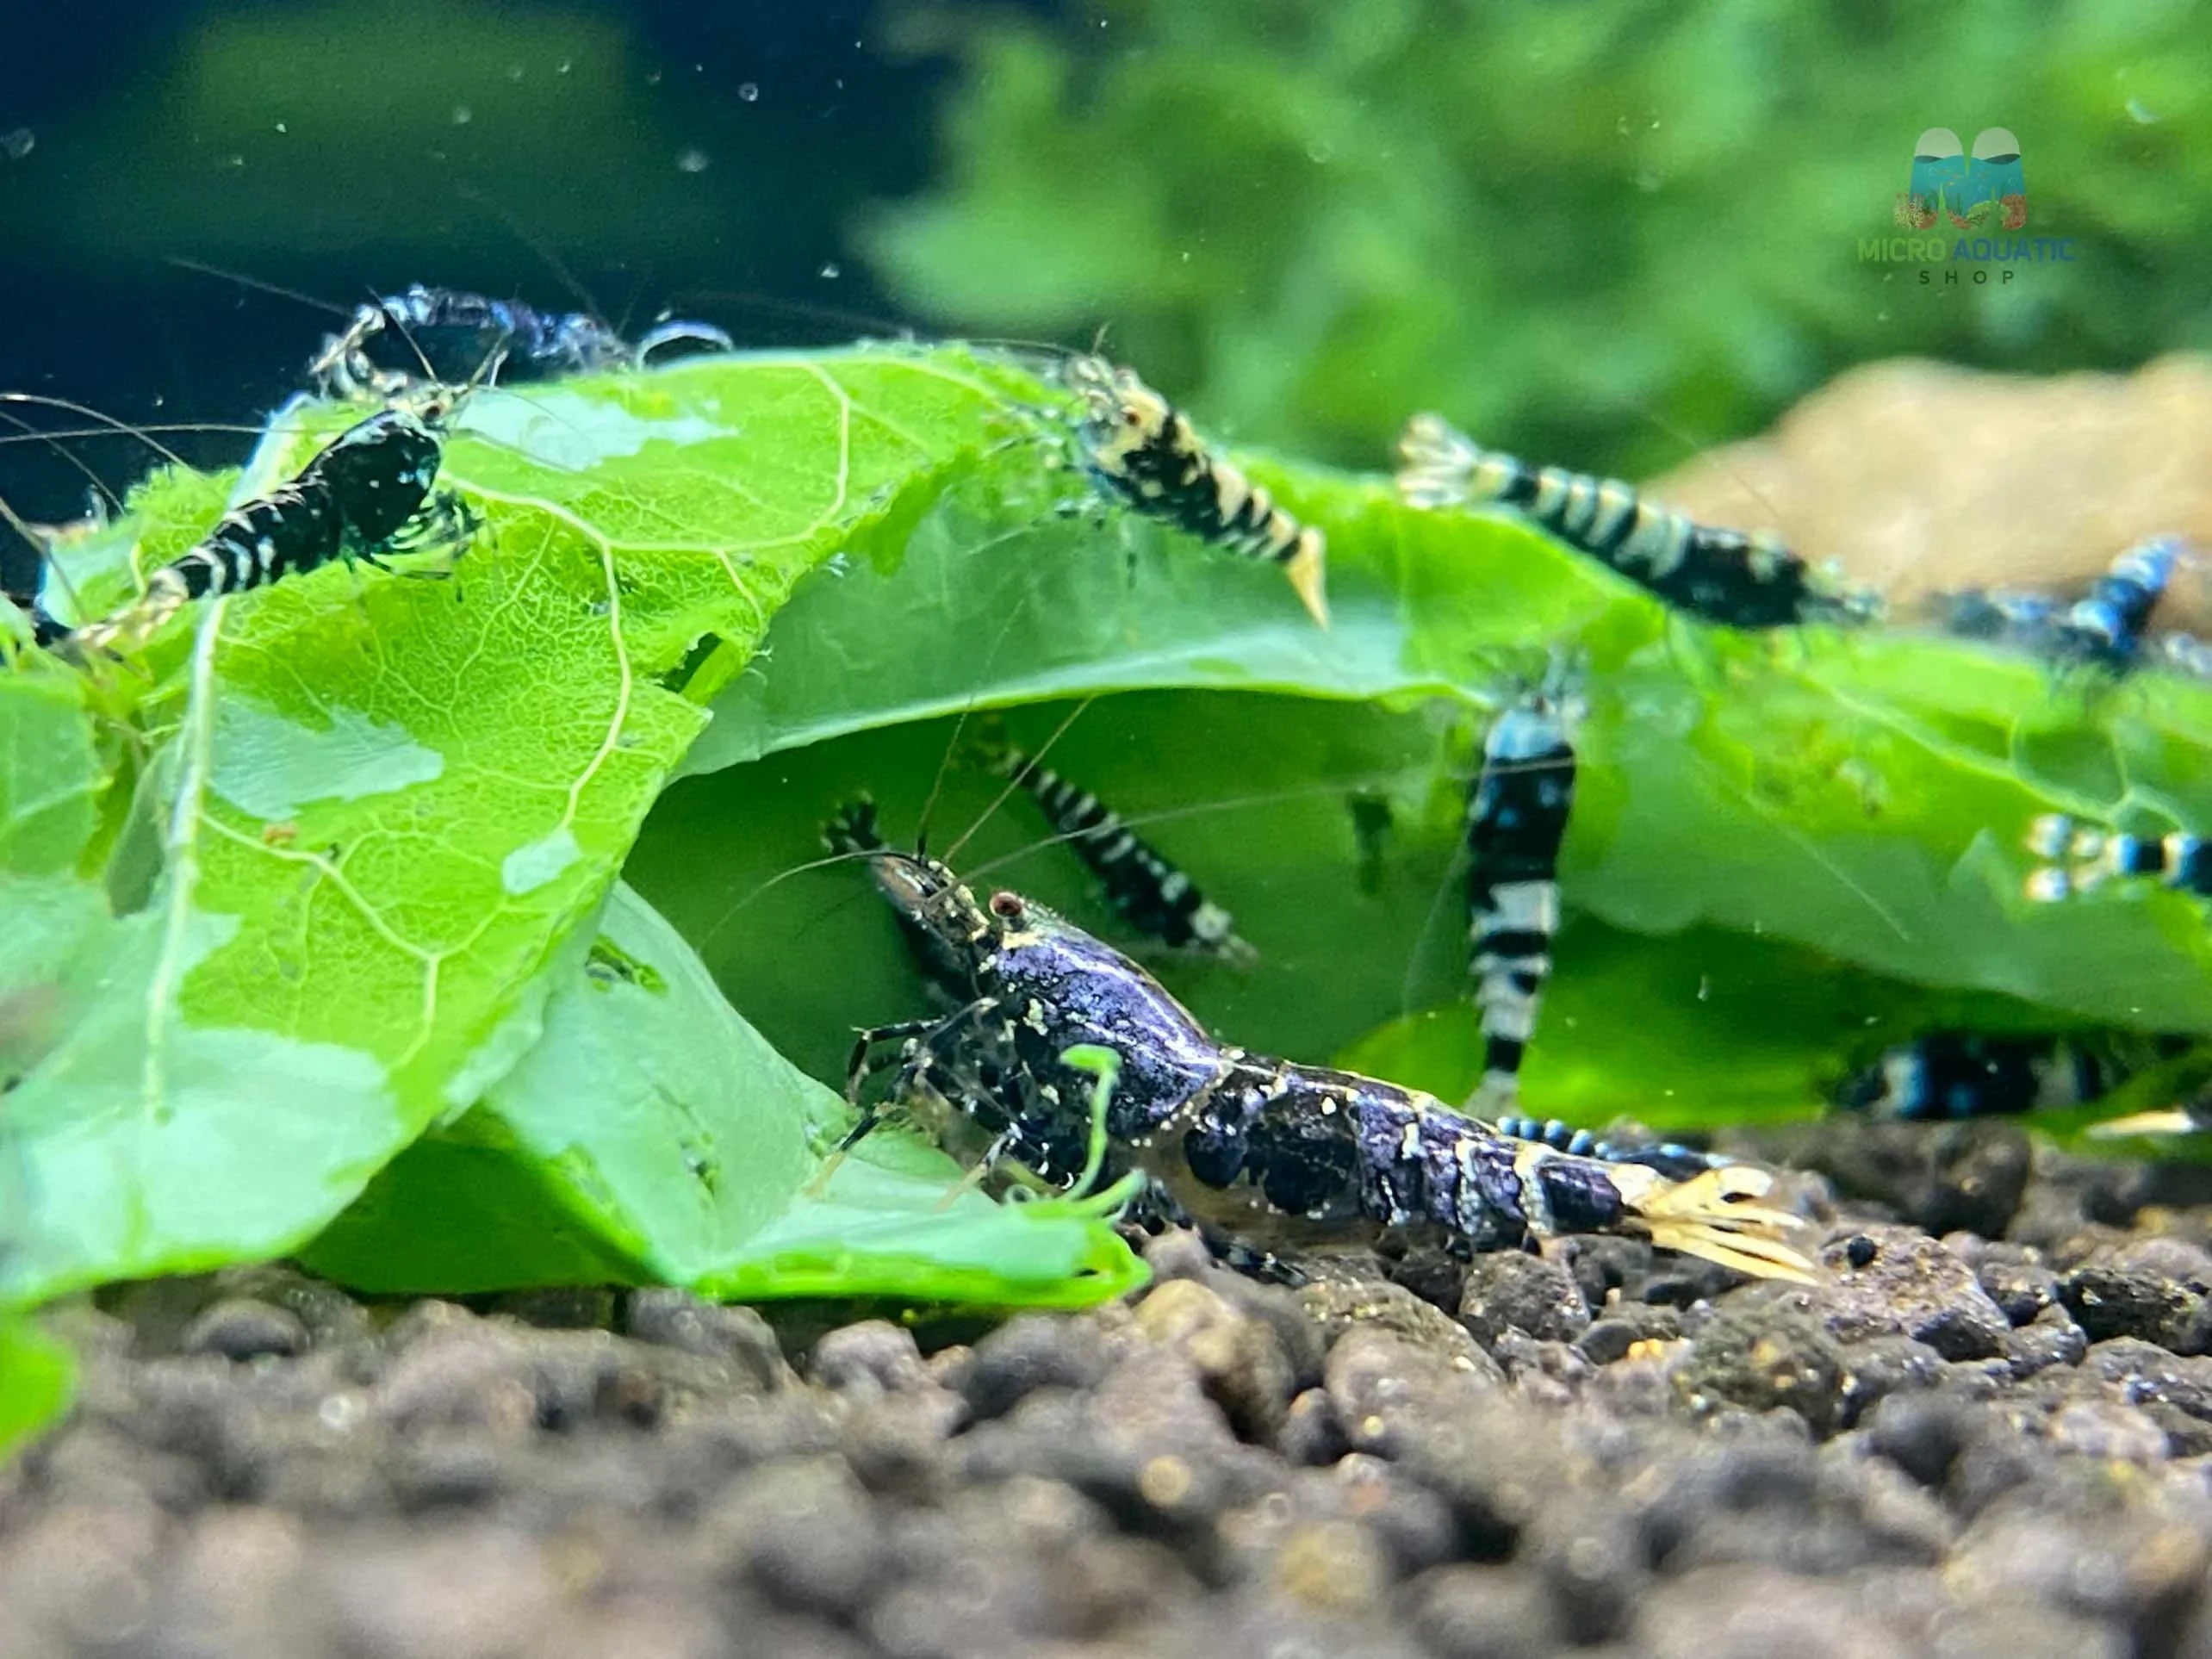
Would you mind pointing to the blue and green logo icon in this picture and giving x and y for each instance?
(1975, 189)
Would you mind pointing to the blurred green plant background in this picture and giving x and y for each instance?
(1602, 233)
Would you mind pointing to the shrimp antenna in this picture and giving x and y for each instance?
(826, 862)
(53, 440)
(30, 434)
(383, 310)
(244, 281)
(953, 743)
(108, 421)
(759, 300)
(1015, 782)
(538, 246)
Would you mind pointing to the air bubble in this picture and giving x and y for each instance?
(462, 115)
(2142, 114)
(831, 271)
(18, 142)
(749, 93)
(692, 161)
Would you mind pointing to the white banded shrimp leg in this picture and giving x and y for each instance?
(1670, 1157)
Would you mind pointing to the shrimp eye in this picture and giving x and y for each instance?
(1131, 417)
(1007, 907)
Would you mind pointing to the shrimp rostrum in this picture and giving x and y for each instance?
(1262, 1155)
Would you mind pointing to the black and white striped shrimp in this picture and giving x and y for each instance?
(1262, 1154)
(367, 494)
(1153, 895)
(50, 547)
(2079, 859)
(1143, 449)
(1951, 1076)
(2000, 614)
(1963, 1074)
(1723, 575)
(448, 328)
(2103, 629)
(1517, 813)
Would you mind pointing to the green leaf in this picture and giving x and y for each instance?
(997, 597)
(383, 804)
(36, 1375)
(149, 1140)
(651, 1135)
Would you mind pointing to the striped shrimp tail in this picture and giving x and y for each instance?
(128, 630)
(852, 828)
(1437, 463)
(1715, 1216)
(1306, 569)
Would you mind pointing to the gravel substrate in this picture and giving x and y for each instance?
(1954, 1445)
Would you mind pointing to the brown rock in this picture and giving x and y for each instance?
(1919, 476)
